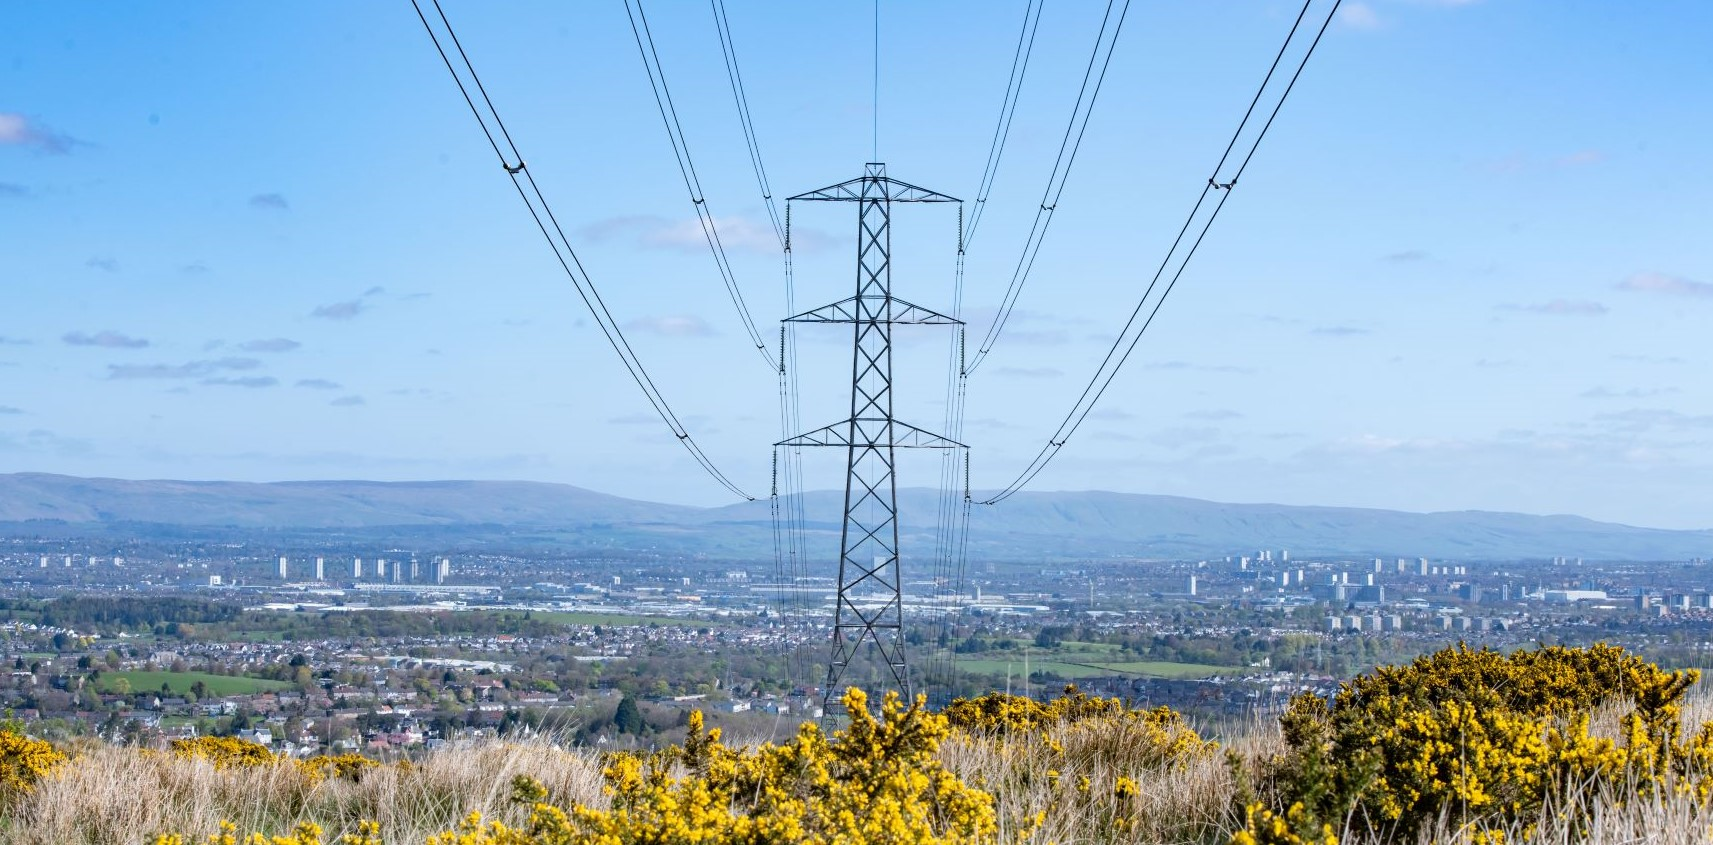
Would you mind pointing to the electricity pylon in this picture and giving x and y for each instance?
(870, 607)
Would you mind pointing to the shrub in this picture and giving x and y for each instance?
(877, 781)
(23, 761)
(224, 752)
(1078, 765)
(1493, 735)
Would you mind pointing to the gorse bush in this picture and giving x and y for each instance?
(1086, 758)
(877, 781)
(1487, 736)
(227, 752)
(23, 761)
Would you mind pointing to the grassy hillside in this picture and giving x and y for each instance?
(1550, 746)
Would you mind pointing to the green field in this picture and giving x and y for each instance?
(617, 620)
(180, 682)
(1081, 669)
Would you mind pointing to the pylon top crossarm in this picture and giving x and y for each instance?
(896, 311)
(890, 190)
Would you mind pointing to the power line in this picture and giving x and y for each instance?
(1007, 109)
(728, 48)
(952, 522)
(787, 510)
(554, 234)
(1115, 358)
(687, 169)
(1061, 173)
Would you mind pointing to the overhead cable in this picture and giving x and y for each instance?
(554, 234)
(687, 169)
(728, 48)
(1127, 339)
(1068, 147)
(1007, 109)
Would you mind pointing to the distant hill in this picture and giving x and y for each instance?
(1029, 526)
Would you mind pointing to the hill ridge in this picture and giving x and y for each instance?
(1030, 526)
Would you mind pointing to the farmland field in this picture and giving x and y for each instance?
(180, 682)
(1088, 669)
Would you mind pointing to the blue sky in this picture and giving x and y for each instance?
(1468, 269)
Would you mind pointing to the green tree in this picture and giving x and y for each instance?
(629, 716)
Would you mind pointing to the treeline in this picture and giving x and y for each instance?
(385, 623)
(153, 613)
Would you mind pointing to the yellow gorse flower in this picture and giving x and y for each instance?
(24, 761)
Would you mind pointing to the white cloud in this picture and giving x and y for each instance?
(274, 344)
(346, 310)
(17, 130)
(1359, 16)
(1562, 307)
(1666, 284)
(736, 234)
(672, 325)
(106, 339)
(192, 369)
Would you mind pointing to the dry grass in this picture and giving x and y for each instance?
(1185, 801)
(116, 796)
(1594, 816)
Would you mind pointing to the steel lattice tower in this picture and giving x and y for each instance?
(870, 605)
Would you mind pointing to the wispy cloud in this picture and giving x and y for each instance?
(270, 202)
(8, 409)
(1642, 419)
(1359, 16)
(273, 344)
(346, 310)
(347, 401)
(191, 369)
(1562, 307)
(17, 130)
(1649, 359)
(13, 341)
(107, 264)
(42, 440)
(242, 381)
(673, 325)
(1200, 368)
(1666, 284)
(1632, 393)
(318, 384)
(105, 339)
(1407, 256)
(13, 190)
(736, 233)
